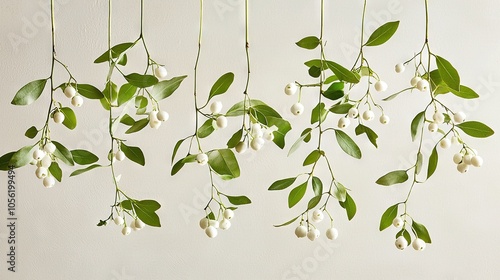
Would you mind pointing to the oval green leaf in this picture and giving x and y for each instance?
(393, 177)
(83, 157)
(221, 85)
(224, 163)
(347, 144)
(166, 88)
(476, 129)
(29, 93)
(135, 154)
(69, 118)
(309, 43)
(388, 217)
(239, 200)
(448, 73)
(141, 81)
(296, 194)
(382, 34)
(282, 184)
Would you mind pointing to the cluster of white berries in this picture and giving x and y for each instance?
(211, 226)
(416, 82)
(297, 108)
(313, 233)
(42, 158)
(465, 159)
(135, 225)
(401, 242)
(439, 118)
(157, 117)
(367, 115)
(76, 100)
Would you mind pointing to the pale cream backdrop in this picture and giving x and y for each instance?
(56, 231)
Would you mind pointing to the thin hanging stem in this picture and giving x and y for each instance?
(200, 34)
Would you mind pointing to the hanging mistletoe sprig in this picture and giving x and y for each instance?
(438, 118)
(144, 91)
(46, 154)
(260, 122)
(349, 108)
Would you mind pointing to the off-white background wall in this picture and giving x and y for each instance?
(56, 234)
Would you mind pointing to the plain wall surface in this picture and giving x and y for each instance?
(56, 229)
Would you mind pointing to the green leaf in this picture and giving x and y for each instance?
(314, 72)
(393, 177)
(287, 223)
(127, 120)
(347, 144)
(282, 184)
(176, 148)
(388, 216)
(63, 154)
(296, 195)
(166, 88)
(235, 139)
(55, 171)
(115, 52)
(5, 161)
(177, 167)
(110, 93)
(340, 192)
(145, 210)
(465, 92)
(313, 202)
(141, 102)
(31, 132)
(137, 126)
(421, 232)
(221, 85)
(372, 136)
(20, 158)
(342, 73)
(307, 133)
(206, 129)
(283, 128)
(420, 161)
(317, 186)
(330, 80)
(382, 34)
(349, 205)
(297, 143)
(83, 157)
(238, 200)
(476, 129)
(83, 170)
(141, 81)
(309, 43)
(341, 108)
(416, 124)
(69, 117)
(224, 163)
(448, 73)
(134, 154)
(321, 64)
(312, 157)
(126, 92)
(29, 93)
(319, 113)
(89, 91)
(433, 162)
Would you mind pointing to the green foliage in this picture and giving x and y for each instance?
(166, 88)
(433, 162)
(393, 177)
(297, 194)
(349, 205)
(372, 136)
(382, 34)
(31, 132)
(83, 157)
(416, 124)
(69, 117)
(388, 216)
(135, 154)
(141, 81)
(224, 163)
(448, 73)
(309, 43)
(282, 184)
(221, 85)
(347, 144)
(421, 232)
(29, 93)
(476, 129)
(145, 210)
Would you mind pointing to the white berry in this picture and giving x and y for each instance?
(126, 230)
(49, 181)
(213, 223)
(438, 117)
(433, 127)
(415, 80)
(257, 143)
(343, 122)
(384, 119)
(69, 91)
(41, 172)
(468, 159)
(77, 101)
(476, 161)
(49, 148)
(291, 89)
(225, 224)
(457, 158)
(221, 122)
(422, 85)
(400, 68)
(139, 224)
(120, 155)
(228, 214)
(380, 86)
(313, 234)
(162, 116)
(401, 243)
(297, 109)
(368, 115)
(119, 220)
(211, 232)
(418, 244)
(204, 223)
(59, 117)
(332, 233)
(317, 216)
(241, 147)
(216, 107)
(462, 167)
(353, 112)
(459, 117)
(202, 159)
(301, 231)
(38, 154)
(398, 222)
(161, 72)
(445, 143)
(46, 161)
